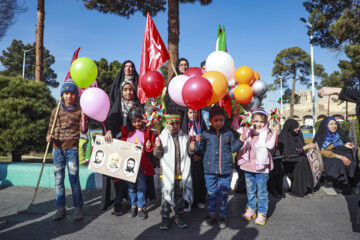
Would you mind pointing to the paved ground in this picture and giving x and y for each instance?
(318, 216)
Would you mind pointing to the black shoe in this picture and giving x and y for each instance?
(209, 220)
(165, 224)
(60, 214)
(222, 222)
(133, 212)
(179, 220)
(355, 190)
(118, 211)
(142, 214)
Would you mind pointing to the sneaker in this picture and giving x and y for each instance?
(249, 214)
(188, 209)
(60, 214)
(201, 205)
(261, 219)
(133, 212)
(179, 220)
(78, 213)
(118, 211)
(142, 214)
(329, 190)
(209, 220)
(222, 222)
(165, 224)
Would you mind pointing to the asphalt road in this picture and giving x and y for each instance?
(318, 216)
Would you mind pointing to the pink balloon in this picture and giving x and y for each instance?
(95, 103)
(175, 89)
(194, 72)
(94, 84)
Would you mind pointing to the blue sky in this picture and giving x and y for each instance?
(256, 31)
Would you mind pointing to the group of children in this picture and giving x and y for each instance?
(175, 149)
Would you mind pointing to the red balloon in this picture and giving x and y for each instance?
(197, 92)
(152, 82)
(194, 72)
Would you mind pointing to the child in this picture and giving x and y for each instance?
(217, 145)
(174, 148)
(255, 159)
(196, 125)
(135, 131)
(66, 141)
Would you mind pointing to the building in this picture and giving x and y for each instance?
(303, 110)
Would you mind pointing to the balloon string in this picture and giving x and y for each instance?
(104, 126)
(195, 126)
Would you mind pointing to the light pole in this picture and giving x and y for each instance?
(309, 26)
(23, 73)
(281, 103)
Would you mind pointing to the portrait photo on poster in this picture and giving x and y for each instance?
(129, 168)
(138, 149)
(99, 158)
(113, 163)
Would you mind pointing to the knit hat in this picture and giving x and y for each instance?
(69, 85)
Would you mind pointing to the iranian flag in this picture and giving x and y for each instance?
(221, 40)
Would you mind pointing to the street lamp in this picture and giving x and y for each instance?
(309, 26)
(23, 73)
(281, 103)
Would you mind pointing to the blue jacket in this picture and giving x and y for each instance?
(217, 149)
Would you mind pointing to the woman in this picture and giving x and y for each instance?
(336, 149)
(181, 66)
(124, 97)
(292, 147)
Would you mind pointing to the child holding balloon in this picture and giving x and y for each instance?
(254, 158)
(66, 141)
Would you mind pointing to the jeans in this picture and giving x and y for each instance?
(69, 157)
(256, 184)
(218, 186)
(205, 115)
(137, 191)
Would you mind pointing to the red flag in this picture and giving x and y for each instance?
(75, 56)
(225, 103)
(153, 54)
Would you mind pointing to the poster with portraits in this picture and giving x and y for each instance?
(316, 163)
(118, 159)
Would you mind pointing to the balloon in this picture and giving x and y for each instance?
(193, 72)
(244, 75)
(94, 84)
(257, 77)
(243, 93)
(83, 71)
(175, 89)
(222, 62)
(259, 88)
(197, 92)
(231, 93)
(232, 82)
(219, 85)
(95, 103)
(152, 82)
(254, 104)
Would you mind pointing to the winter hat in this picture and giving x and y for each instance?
(69, 85)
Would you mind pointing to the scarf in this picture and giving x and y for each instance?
(331, 138)
(68, 108)
(167, 163)
(289, 140)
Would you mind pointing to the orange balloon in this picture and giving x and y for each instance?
(257, 77)
(244, 75)
(219, 84)
(243, 93)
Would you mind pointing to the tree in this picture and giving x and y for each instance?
(25, 112)
(12, 60)
(126, 8)
(293, 64)
(287, 97)
(39, 41)
(8, 9)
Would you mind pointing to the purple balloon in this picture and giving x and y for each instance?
(95, 103)
(175, 89)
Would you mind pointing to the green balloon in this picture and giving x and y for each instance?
(83, 71)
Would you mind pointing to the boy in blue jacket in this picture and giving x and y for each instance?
(217, 145)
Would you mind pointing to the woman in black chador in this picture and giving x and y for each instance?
(340, 167)
(292, 147)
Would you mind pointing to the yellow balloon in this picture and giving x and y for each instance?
(219, 84)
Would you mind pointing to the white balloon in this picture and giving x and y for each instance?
(259, 88)
(222, 62)
(175, 89)
(231, 93)
(231, 82)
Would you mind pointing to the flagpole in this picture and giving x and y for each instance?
(173, 67)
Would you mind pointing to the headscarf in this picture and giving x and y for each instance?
(323, 134)
(177, 68)
(289, 140)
